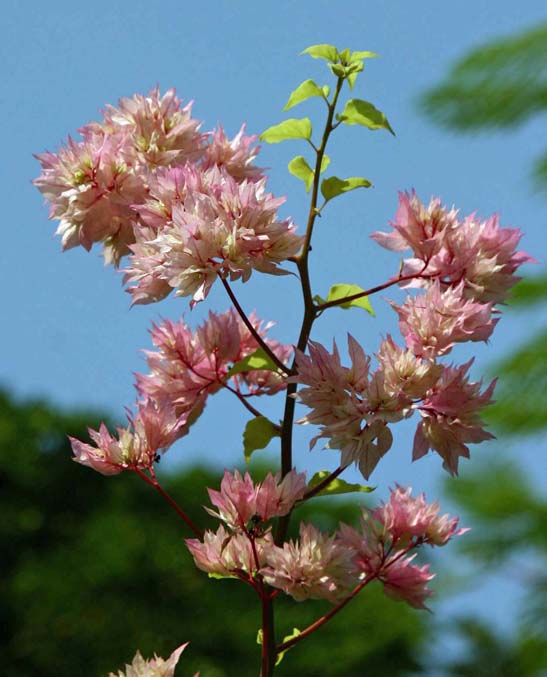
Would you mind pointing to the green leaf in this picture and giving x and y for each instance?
(338, 70)
(258, 433)
(260, 636)
(363, 55)
(334, 186)
(323, 51)
(325, 162)
(293, 128)
(351, 79)
(337, 486)
(304, 91)
(326, 91)
(344, 55)
(359, 112)
(220, 576)
(255, 361)
(295, 632)
(340, 291)
(299, 167)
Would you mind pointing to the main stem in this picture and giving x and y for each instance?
(269, 652)
(310, 311)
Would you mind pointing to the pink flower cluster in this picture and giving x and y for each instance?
(154, 429)
(466, 267)
(154, 667)
(318, 565)
(354, 405)
(188, 366)
(184, 371)
(187, 206)
(479, 254)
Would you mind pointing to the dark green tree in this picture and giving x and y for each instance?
(502, 85)
(95, 567)
(509, 536)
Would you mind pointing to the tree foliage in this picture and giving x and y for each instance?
(509, 536)
(501, 85)
(95, 568)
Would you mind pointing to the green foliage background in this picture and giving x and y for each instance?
(502, 85)
(94, 568)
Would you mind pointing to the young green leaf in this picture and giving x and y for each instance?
(325, 162)
(358, 112)
(293, 128)
(338, 69)
(344, 55)
(326, 91)
(363, 55)
(340, 291)
(299, 167)
(295, 632)
(255, 361)
(258, 433)
(337, 486)
(327, 52)
(304, 91)
(334, 186)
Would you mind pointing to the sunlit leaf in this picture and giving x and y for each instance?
(344, 55)
(341, 291)
(255, 361)
(293, 128)
(334, 186)
(299, 167)
(337, 486)
(363, 55)
(359, 112)
(303, 92)
(323, 51)
(258, 433)
(281, 654)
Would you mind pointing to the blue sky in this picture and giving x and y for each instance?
(70, 334)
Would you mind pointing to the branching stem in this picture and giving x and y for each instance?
(261, 342)
(153, 482)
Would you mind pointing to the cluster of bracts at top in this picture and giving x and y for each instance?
(186, 208)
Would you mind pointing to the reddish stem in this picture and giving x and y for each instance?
(243, 401)
(321, 621)
(324, 483)
(153, 482)
(261, 342)
(373, 290)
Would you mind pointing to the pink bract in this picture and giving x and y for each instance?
(433, 322)
(407, 582)
(218, 228)
(189, 366)
(152, 430)
(451, 417)
(480, 255)
(240, 501)
(236, 156)
(154, 667)
(403, 518)
(227, 554)
(314, 567)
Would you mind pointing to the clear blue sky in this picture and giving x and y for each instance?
(69, 333)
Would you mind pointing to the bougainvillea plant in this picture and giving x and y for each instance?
(180, 210)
